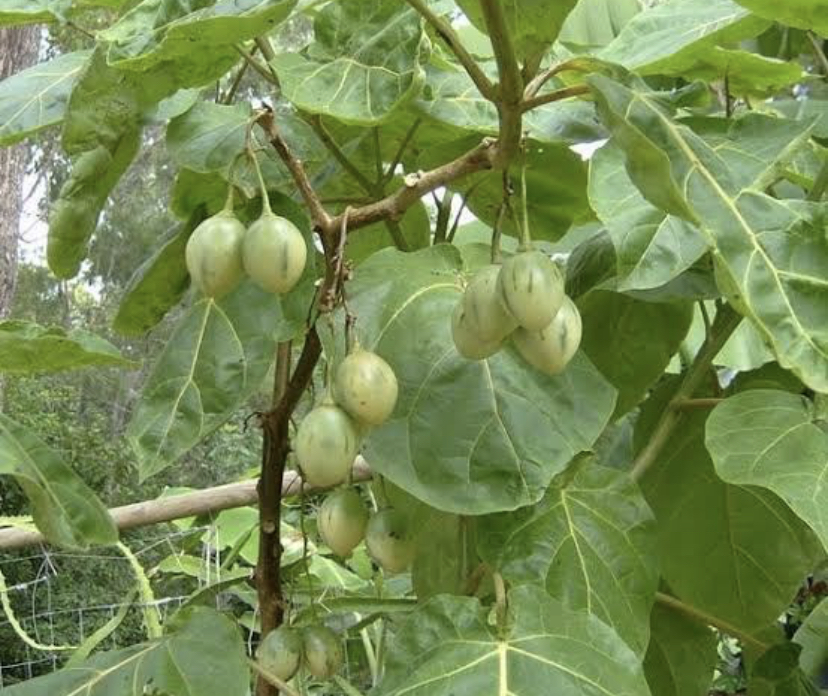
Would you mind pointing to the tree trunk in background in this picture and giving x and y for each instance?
(18, 50)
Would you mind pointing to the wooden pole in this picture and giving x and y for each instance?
(209, 500)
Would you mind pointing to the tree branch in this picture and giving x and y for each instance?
(510, 89)
(724, 325)
(557, 95)
(321, 219)
(446, 32)
(257, 66)
(533, 87)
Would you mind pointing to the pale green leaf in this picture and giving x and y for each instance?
(595, 23)
(66, 511)
(645, 336)
(517, 428)
(36, 98)
(591, 541)
(15, 12)
(804, 14)
(533, 25)
(669, 33)
(365, 63)
(812, 635)
(27, 348)
(215, 359)
(777, 673)
(769, 254)
(769, 439)
(156, 31)
(446, 554)
(447, 647)
(201, 655)
(735, 552)
(681, 656)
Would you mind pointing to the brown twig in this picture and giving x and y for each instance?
(446, 32)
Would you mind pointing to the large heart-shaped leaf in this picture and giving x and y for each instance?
(365, 63)
(447, 647)
(465, 437)
(769, 254)
(645, 336)
(591, 542)
(768, 438)
(202, 655)
(812, 635)
(217, 356)
(27, 348)
(667, 34)
(720, 544)
(156, 31)
(64, 508)
(804, 14)
(681, 656)
(36, 98)
(532, 24)
(777, 673)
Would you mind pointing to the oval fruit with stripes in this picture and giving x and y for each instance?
(326, 445)
(531, 288)
(213, 254)
(281, 652)
(342, 520)
(324, 656)
(466, 341)
(390, 540)
(551, 349)
(274, 253)
(366, 387)
(486, 316)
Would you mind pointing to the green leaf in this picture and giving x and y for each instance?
(66, 511)
(804, 14)
(777, 673)
(492, 433)
(681, 656)
(158, 284)
(769, 254)
(201, 655)
(644, 337)
(15, 12)
(652, 247)
(595, 23)
(414, 225)
(671, 33)
(27, 348)
(448, 646)
(533, 25)
(768, 438)
(36, 98)
(812, 635)
(217, 356)
(156, 31)
(450, 96)
(591, 541)
(735, 552)
(445, 556)
(365, 63)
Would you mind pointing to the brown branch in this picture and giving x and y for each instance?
(446, 32)
(557, 95)
(321, 219)
(417, 185)
(209, 501)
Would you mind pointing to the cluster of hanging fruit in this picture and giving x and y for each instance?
(272, 252)
(522, 300)
(363, 395)
(285, 649)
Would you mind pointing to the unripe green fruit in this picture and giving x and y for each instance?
(486, 316)
(366, 387)
(213, 254)
(468, 343)
(281, 652)
(323, 651)
(274, 253)
(342, 520)
(326, 445)
(390, 540)
(552, 348)
(531, 288)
